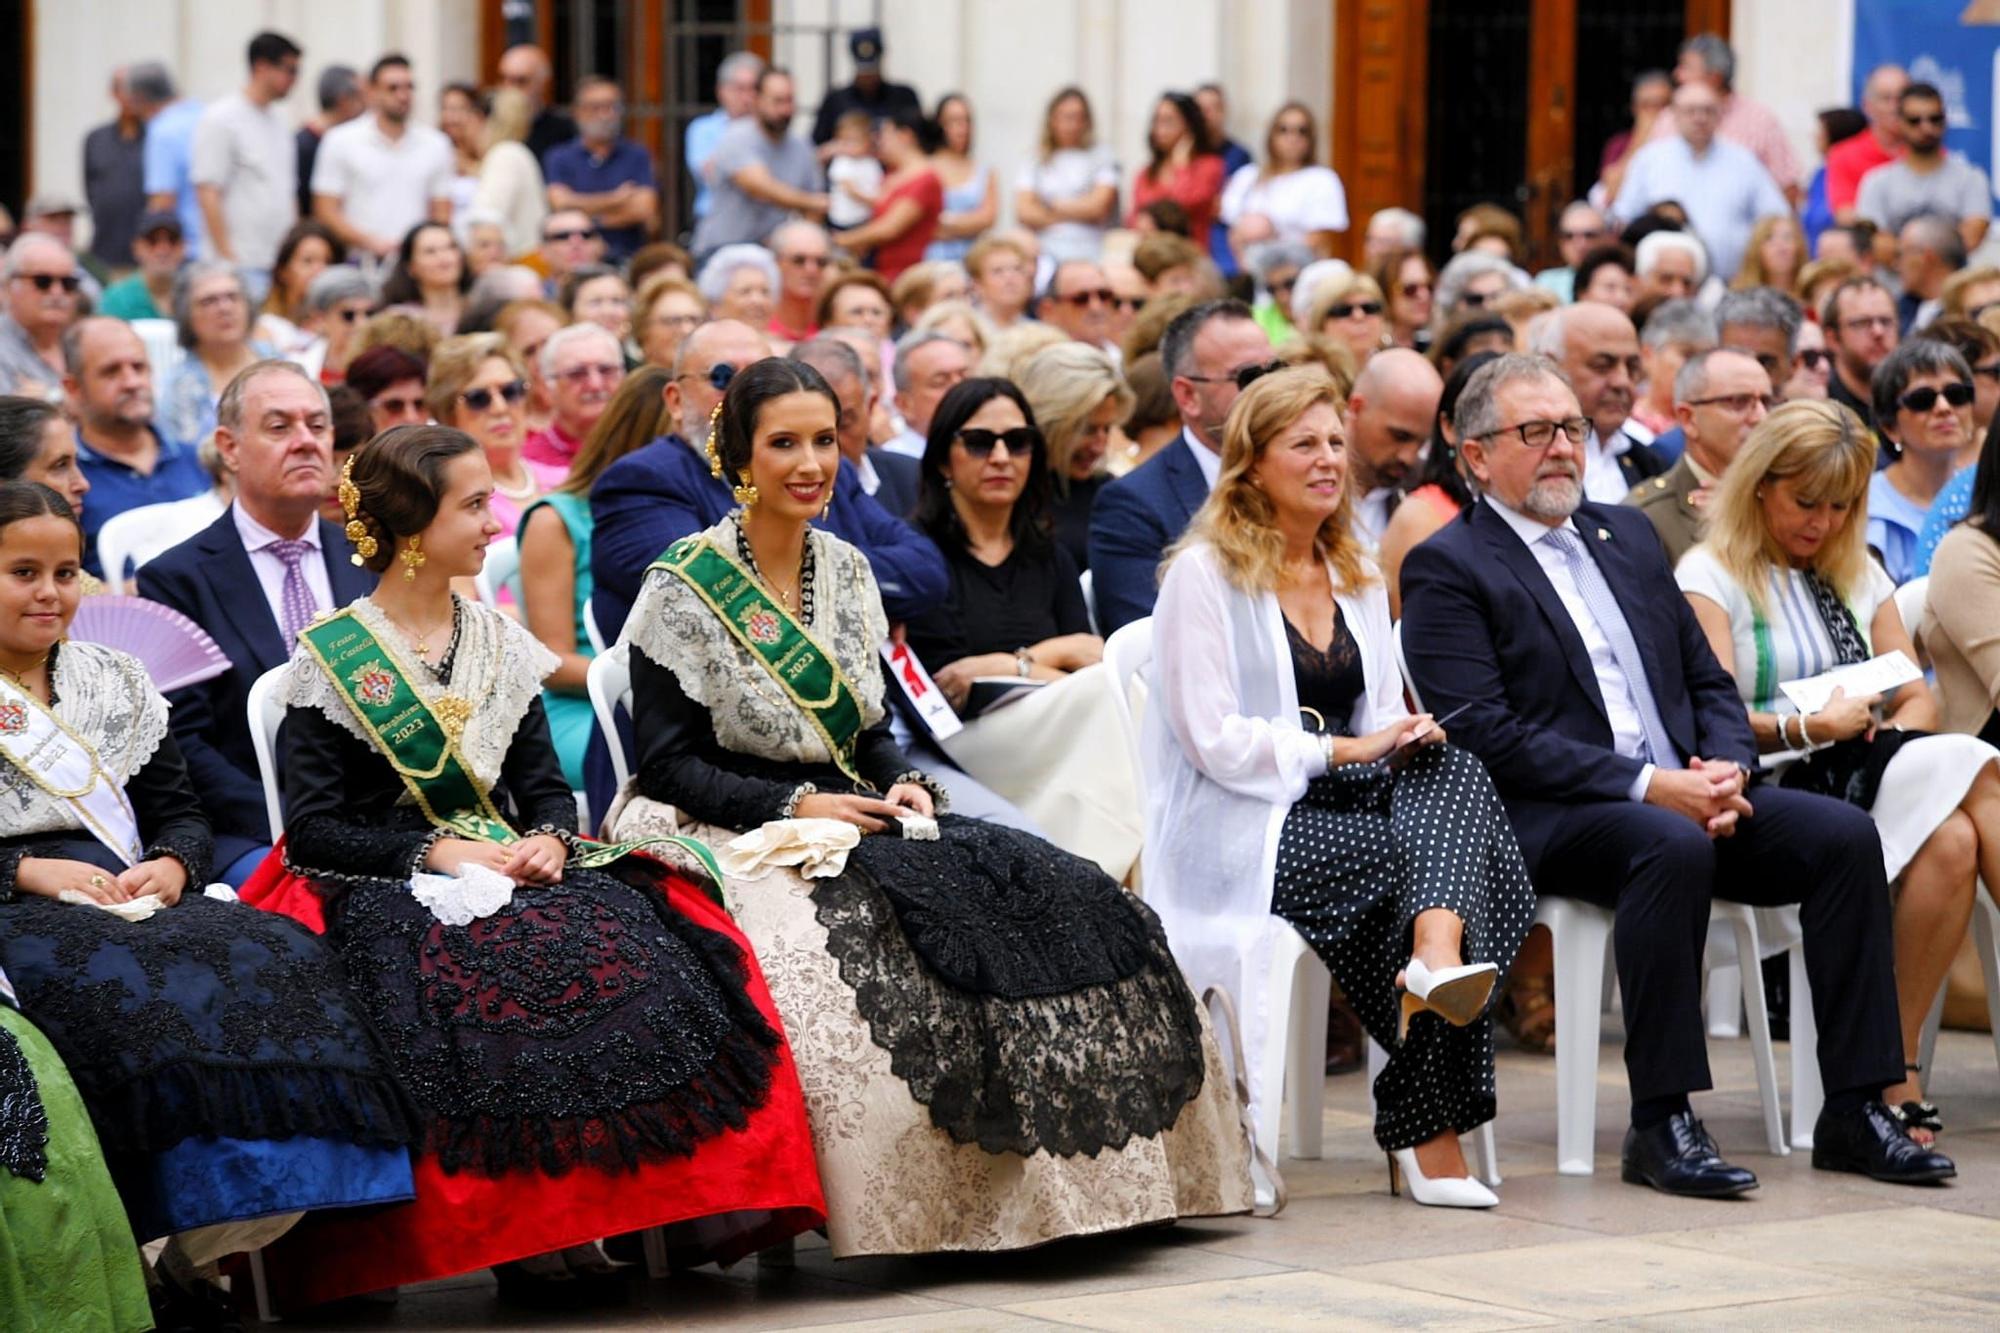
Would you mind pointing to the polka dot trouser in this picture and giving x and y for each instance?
(1362, 853)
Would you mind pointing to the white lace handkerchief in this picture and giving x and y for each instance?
(138, 909)
(918, 828)
(817, 848)
(461, 899)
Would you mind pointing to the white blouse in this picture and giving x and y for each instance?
(1225, 758)
(1298, 203)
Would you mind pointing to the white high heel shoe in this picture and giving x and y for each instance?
(1456, 994)
(1444, 1192)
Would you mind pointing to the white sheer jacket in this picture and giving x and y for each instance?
(1226, 756)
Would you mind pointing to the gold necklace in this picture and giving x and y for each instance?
(15, 676)
(422, 641)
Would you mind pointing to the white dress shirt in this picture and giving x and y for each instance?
(1603, 482)
(864, 472)
(1207, 459)
(271, 569)
(1628, 733)
(906, 442)
(1371, 517)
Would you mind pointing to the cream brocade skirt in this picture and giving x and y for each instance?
(894, 1182)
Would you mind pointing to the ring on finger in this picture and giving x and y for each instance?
(99, 882)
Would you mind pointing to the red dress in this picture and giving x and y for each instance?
(1196, 187)
(925, 190)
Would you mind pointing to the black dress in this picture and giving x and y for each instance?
(1363, 852)
(1030, 596)
(1072, 515)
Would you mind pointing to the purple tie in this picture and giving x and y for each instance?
(296, 603)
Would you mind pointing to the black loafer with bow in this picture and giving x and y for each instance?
(1677, 1156)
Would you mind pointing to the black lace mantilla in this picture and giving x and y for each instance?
(210, 1019)
(1026, 1000)
(24, 1125)
(587, 1024)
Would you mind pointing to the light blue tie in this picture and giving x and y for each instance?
(1603, 605)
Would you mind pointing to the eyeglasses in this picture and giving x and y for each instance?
(1736, 404)
(1812, 358)
(1473, 299)
(1101, 295)
(1412, 289)
(718, 377)
(1934, 118)
(1353, 308)
(482, 398)
(1020, 442)
(397, 406)
(1869, 322)
(584, 374)
(69, 282)
(572, 234)
(1542, 434)
(1924, 399)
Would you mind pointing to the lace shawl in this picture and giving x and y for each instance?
(751, 714)
(108, 700)
(498, 667)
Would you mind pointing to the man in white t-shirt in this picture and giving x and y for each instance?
(246, 165)
(378, 175)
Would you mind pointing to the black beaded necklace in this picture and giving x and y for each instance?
(749, 558)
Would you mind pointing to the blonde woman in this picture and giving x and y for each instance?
(1350, 310)
(510, 179)
(477, 385)
(958, 319)
(1785, 588)
(1776, 254)
(1078, 398)
(1280, 739)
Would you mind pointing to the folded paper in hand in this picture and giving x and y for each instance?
(817, 848)
(1878, 675)
(475, 892)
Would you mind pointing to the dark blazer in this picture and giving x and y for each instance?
(898, 474)
(664, 491)
(1482, 626)
(209, 579)
(1136, 518)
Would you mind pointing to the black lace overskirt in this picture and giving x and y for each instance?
(1026, 1000)
(209, 1019)
(24, 1125)
(584, 1024)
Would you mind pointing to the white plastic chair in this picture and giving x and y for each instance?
(1127, 653)
(1581, 935)
(1089, 599)
(163, 350)
(137, 535)
(501, 570)
(267, 714)
(590, 629)
(609, 682)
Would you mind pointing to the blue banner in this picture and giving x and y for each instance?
(1953, 44)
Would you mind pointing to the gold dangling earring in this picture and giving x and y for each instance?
(746, 495)
(826, 510)
(413, 559)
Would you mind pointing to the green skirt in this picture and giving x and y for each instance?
(67, 1257)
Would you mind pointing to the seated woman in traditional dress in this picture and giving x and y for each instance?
(1785, 588)
(1277, 737)
(232, 1083)
(586, 1035)
(1000, 1047)
(66, 1254)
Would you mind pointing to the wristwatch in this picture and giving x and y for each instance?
(1024, 664)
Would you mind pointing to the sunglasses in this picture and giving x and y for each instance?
(69, 282)
(480, 399)
(1924, 399)
(1812, 358)
(1020, 442)
(1101, 295)
(1936, 119)
(1129, 304)
(1249, 375)
(573, 234)
(718, 377)
(1411, 290)
(396, 406)
(1353, 308)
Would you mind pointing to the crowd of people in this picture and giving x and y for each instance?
(853, 488)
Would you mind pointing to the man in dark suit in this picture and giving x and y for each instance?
(1137, 517)
(1598, 350)
(1623, 752)
(890, 478)
(663, 491)
(252, 580)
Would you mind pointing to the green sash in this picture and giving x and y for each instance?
(805, 671)
(420, 741)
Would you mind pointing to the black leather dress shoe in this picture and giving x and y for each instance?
(1677, 1156)
(1869, 1142)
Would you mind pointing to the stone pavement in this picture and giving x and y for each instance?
(1807, 1250)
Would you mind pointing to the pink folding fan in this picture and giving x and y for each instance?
(175, 651)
